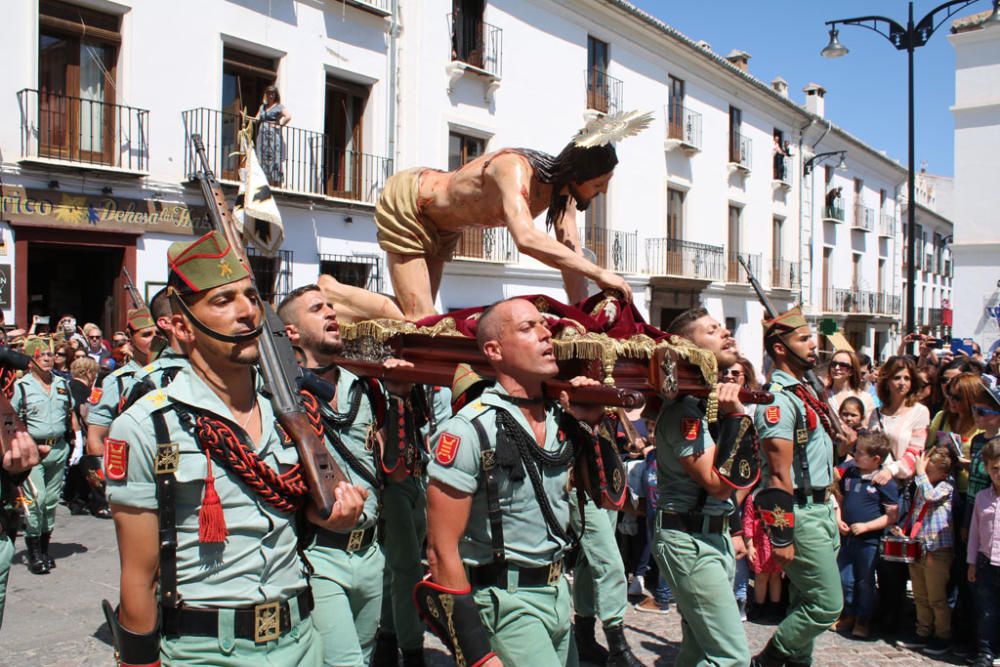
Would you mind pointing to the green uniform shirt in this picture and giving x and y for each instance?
(456, 463)
(258, 561)
(113, 387)
(44, 413)
(156, 372)
(778, 420)
(682, 430)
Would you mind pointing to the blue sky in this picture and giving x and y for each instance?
(866, 89)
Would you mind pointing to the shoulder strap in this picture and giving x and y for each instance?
(24, 404)
(167, 458)
(800, 439)
(918, 524)
(488, 462)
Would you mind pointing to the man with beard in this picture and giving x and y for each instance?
(422, 212)
(205, 490)
(794, 500)
(693, 547)
(346, 564)
(496, 586)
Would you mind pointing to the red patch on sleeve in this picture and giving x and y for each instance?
(115, 459)
(95, 395)
(772, 414)
(690, 426)
(447, 448)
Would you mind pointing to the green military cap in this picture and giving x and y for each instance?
(36, 345)
(790, 320)
(200, 265)
(140, 318)
(466, 386)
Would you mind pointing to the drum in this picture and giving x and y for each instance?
(899, 549)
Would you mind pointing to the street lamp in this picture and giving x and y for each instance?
(815, 160)
(907, 39)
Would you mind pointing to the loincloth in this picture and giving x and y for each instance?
(401, 227)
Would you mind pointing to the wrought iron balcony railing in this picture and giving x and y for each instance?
(784, 274)
(377, 7)
(782, 169)
(740, 150)
(887, 225)
(864, 218)
(604, 92)
(83, 131)
(684, 126)
(735, 272)
(614, 250)
(294, 160)
(839, 300)
(834, 210)
(488, 244)
(674, 257)
(476, 43)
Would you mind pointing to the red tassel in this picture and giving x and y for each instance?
(211, 521)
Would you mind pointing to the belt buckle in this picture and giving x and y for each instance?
(355, 540)
(555, 571)
(51, 442)
(266, 622)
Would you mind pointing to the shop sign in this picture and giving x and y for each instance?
(66, 210)
(5, 280)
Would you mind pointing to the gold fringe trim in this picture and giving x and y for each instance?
(381, 331)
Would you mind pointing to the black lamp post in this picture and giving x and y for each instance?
(907, 39)
(823, 157)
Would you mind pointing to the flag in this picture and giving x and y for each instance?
(255, 211)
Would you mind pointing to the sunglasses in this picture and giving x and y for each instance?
(60, 354)
(731, 373)
(840, 364)
(985, 412)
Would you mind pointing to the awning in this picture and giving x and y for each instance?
(839, 342)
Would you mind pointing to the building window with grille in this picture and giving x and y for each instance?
(463, 148)
(272, 275)
(363, 271)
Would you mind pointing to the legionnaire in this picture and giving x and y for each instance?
(168, 361)
(44, 402)
(347, 565)
(793, 502)
(692, 545)
(205, 490)
(496, 587)
(17, 462)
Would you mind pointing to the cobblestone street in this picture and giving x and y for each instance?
(55, 620)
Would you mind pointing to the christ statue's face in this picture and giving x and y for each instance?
(585, 192)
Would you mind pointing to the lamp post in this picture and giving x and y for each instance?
(823, 157)
(907, 38)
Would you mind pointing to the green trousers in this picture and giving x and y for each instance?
(404, 511)
(43, 489)
(528, 626)
(297, 647)
(347, 588)
(599, 584)
(699, 567)
(815, 594)
(6, 555)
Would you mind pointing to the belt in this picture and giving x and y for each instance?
(693, 522)
(818, 497)
(356, 540)
(492, 574)
(264, 622)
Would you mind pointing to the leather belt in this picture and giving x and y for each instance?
(492, 574)
(694, 522)
(818, 496)
(356, 540)
(261, 623)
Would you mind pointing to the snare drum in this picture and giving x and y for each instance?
(899, 549)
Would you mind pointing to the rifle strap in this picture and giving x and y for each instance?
(167, 458)
(488, 462)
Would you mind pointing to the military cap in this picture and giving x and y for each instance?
(200, 265)
(36, 345)
(790, 320)
(140, 318)
(466, 386)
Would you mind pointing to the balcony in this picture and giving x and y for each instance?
(683, 129)
(784, 274)
(604, 93)
(308, 164)
(834, 210)
(782, 172)
(935, 317)
(488, 244)
(837, 300)
(614, 250)
(864, 218)
(77, 132)
(674, 257)
(733, 269)
(476, 48)
(887, 225)
(377, 7)
(740, 150)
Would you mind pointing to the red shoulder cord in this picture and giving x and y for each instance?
(821, 409)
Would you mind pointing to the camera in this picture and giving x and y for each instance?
(13, 360)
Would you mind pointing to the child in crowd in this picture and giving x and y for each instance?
(852, 413)
(767, 572)
(932, 526)
(866, 510)
(986, 411)
(984, 556)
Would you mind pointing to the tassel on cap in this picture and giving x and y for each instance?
(211, 521)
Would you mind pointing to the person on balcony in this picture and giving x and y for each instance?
(272, 116)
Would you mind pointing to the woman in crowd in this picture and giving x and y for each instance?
(270, 144)
(62, 358)
(938, 400)
(844, 379)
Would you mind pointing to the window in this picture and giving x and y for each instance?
(856, 271)
(462, 149)
(77, 60)
(881, 276)
(827, 292)
(675, 109)
(272, 275)
(776, 240)
(467, 31)
(597, 74)
(244, 78)
(881, 200)
(732, 325)
(597, 237)
(358, 270)
(675, 214)
(735, 140)
(827, 176)
(344, 158)
(734, 244)
(938, 252)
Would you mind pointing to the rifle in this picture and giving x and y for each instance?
(137, 300)
(277, 360)
(10, 421)
(810, 375)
